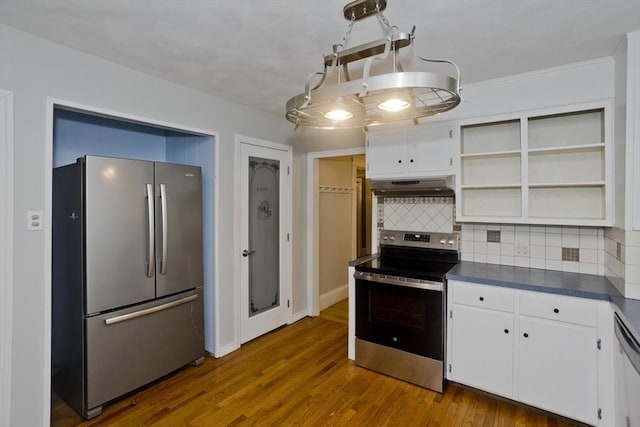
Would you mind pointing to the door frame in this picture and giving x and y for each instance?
(286, 278)
(6, 253)
(210, 335)
(313, 223)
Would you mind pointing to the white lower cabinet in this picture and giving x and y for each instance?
(557, 368)
(482, 349)
(539, 349)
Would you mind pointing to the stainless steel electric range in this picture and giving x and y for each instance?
(400, 306)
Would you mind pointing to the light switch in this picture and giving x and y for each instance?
(34, 220)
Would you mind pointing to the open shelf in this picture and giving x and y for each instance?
(557, 165)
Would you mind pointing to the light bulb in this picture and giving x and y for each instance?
(338, 114)
(393, 105)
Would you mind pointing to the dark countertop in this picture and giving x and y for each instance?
(550, 281)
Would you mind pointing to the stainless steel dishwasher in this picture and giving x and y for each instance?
(627, 372)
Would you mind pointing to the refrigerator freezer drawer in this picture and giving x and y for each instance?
(132, 347)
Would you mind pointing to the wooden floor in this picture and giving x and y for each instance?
(300, 375)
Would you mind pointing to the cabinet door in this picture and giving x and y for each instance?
(557, 368)
(482, 349)
(387, 153)
(429, 150)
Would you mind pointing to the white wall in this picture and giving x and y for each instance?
(34, 69)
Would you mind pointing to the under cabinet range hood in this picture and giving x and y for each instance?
(440, 187)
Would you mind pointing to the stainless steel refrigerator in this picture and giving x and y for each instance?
(127, 276)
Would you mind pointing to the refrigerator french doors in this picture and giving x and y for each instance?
(127, 276)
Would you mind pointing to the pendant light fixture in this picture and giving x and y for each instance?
(372, 99)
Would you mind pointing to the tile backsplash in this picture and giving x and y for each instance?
(431, 214)
(563, 248)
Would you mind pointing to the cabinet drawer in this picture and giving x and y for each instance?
(561, 308)
(491, 297)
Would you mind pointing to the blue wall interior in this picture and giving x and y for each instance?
(76, 134)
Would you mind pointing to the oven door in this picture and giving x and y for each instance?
(399, 313)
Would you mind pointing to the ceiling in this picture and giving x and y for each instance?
(259, 52)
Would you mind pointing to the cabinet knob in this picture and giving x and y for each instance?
(506, 331)
(481, 298)
(526, 335)
(411, 161)
(399, 161)
(555, 310)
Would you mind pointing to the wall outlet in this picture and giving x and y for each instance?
(522, 250)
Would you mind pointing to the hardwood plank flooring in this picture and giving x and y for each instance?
(299, 375)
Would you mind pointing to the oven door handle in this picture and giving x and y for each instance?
(398, 281)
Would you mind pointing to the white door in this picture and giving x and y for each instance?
(264, 235)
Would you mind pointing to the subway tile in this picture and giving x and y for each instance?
(601, 269)
(467, 256)
(466, 236)
(507, 236)
(570, 266)
(538, 229)
(537, 239)
(554, 240)
(588, 241)
(588, 231)
(552, 229)
(522, 261)
(467, 226)
(553, 253)
(479, 257)
(522, 229)
(589, 256)
(507, 227)
(614, 233)
(570, 240)
(521, 238)
(537, 251)
(479, 248)
(587, 268)
(553, 265)
(571, 230)
(493, 227)
(507, 249)
(479, 235)
(493, 248)
(493, 259)
(479, 227)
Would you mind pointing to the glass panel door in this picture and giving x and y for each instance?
(264, 243)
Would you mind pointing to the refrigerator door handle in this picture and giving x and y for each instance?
(136, 314)
(151, 262)
(163, 199)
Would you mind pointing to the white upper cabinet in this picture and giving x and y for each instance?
(543, 167)
(417, 152)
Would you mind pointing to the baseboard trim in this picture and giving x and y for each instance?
(223, 351)
(299, 316)
(334, 296)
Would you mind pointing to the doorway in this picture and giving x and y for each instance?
(264, 218)
(340, 222)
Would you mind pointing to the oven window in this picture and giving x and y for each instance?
(401, 309)
(404, 318)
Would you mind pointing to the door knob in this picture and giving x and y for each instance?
(246, 252)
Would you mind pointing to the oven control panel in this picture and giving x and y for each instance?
(449, 241)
